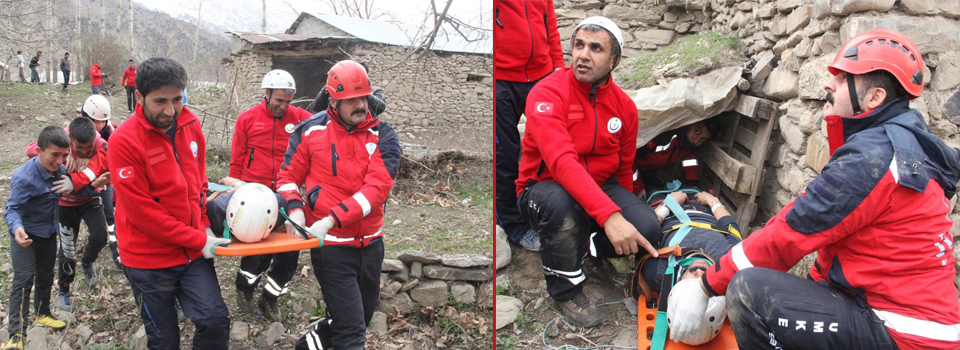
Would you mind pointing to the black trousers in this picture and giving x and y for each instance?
(92, 214)
(282, 266)
(195, 286)
(66, 78)
(568, 234)
(131, 99)
(511, 99)
(32, 269)
(350, 280)
(775, 310)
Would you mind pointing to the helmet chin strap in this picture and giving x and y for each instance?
(601, 81)
(854, 100)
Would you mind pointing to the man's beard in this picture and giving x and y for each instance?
(155, 120)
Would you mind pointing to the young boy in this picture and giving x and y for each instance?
(32, 218)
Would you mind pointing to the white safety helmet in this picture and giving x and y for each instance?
(278, 79)
(710, 324)
(252, 212)
(97, 107)
(604, 23)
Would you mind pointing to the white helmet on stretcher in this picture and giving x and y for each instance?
(710, 325)
(252, 212)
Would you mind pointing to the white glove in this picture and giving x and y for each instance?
(211, 240)
(643, 194)
(295, 215)
(321, 227)
(685, 308)
(64, 185)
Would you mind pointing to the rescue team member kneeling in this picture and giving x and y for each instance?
(575, 172)
(158, 164)
(878, 217)
(348, 162)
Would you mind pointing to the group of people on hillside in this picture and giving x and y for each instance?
(878, 215)
(128, 81)
(164, 225)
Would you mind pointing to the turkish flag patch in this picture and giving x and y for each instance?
(543, 108)
(125, 173)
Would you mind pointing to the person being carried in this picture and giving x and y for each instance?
(31, 218)
(348, 162)
(575, 172)
(260, 138)
(159, 160)
(878, 217)
(657, 160)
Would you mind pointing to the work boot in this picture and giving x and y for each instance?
(62, 302)
(245, 301)
(580, 311)
(318, 337)
(269, 309)
(90, 275)
(50, 322)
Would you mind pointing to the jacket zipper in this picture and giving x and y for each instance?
(176, 156)
(527, 15)
(546, 28)
(498, 19)
(273, 153)
(250, 161)
(334, 157)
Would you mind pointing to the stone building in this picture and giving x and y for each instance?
(790, 43)
(431, 91)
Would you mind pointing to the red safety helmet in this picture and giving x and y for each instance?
(348, 79)
(882, 49)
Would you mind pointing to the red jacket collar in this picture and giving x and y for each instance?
(584, 88)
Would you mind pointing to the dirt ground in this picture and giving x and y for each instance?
(440, 204)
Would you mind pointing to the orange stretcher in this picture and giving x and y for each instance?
(278, 242)
(647, 317)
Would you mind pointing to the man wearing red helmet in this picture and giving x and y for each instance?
(878, 217)
(348, 160)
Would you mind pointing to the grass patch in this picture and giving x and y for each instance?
(694, 54)
(23, 90)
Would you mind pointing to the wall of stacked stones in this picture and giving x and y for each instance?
(417, 280)
(438, 92)
(790, 43)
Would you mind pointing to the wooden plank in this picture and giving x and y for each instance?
(747, 105)
(748, 139)
(735, 174)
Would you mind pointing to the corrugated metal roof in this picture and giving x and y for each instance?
(259, 38)
(403, 34)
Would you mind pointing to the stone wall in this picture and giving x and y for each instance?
(790, 43)
(418, 280)
(439, 92)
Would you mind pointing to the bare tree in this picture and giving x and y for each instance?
(130, 24)
(365, 9)
(263, 25)
(445, 26)
(196, 33)
(103, 18)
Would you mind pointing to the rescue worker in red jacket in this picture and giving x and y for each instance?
(528, 49)
(158, 164)
(878, 217)
(655, 163)
(575, 173)
(260, 138)
(96, 78)
(129, 82)
(348, 162)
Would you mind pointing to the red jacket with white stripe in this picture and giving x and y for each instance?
(348, 176)
(160, 189)
(528, 44)
(259, 140)
(664, 150)
(96, 167)
(75, 199)
(878, 217)
(129, 77)
(578, 141)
